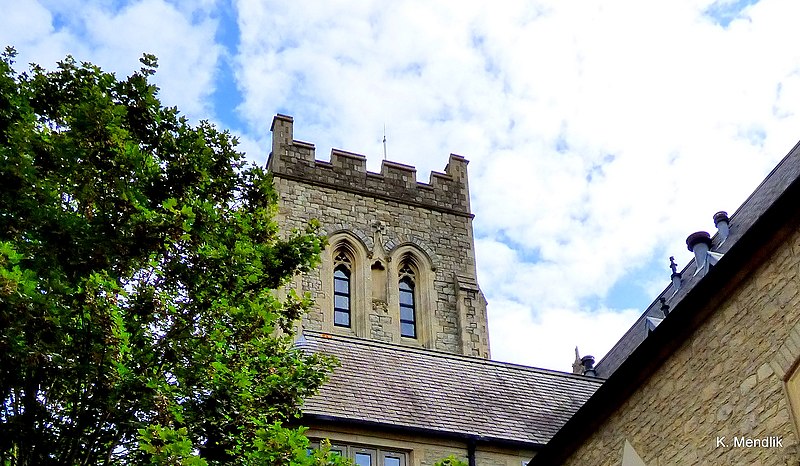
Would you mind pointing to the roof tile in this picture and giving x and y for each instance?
(428, 389)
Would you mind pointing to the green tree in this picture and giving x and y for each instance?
(450, 461)
(138, 261)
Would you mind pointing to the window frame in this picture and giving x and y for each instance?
(377, 455)
(408, 281)
(392, 454)
(348, 295)
(369, 452)
(409, 259)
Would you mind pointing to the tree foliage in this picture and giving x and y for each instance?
(450, 461)
(138, 261)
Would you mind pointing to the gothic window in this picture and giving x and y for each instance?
(341, 290)
(408, 305)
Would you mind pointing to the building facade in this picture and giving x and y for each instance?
(403, 251)
(397, 301)
(709, 374)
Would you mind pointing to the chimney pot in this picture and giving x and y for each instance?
(722, 222)
(699, 237)
(588, 366)
(720, 216)
(700, 244)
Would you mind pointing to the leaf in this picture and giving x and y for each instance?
(169, 204)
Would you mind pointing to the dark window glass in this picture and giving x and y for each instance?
(406, 284)
(341, 296)
(408, 321)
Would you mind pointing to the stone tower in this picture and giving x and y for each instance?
(400, 262)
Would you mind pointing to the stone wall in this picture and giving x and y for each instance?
(723, 386)
(385, 217)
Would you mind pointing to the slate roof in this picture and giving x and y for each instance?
(787, 171)
(392, 385)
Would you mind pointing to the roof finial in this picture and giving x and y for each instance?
(676, 276)
(384, 141)
(577, 365)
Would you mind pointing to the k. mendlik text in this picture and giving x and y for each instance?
(742, 441)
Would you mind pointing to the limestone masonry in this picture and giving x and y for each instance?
(385, 225)
(723, 385)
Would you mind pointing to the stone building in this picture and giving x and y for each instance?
(381, 228)
(710, 373)
(398, 303)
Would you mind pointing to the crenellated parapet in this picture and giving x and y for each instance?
(447, 192)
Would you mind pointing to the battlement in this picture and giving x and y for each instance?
(346, 171)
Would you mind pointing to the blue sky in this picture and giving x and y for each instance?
(600, 134)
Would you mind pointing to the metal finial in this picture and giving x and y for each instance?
(673, 265)
(384, 142)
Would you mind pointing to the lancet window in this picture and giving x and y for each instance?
(342, 297)
(408, 302)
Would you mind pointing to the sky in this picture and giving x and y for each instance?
(600, 133)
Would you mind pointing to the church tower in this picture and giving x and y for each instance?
(400, 262)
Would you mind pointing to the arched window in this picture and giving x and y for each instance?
(408, 305)
(341, 291)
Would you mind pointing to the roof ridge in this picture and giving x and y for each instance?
(762, 190)
(445, 355)
(766, 179)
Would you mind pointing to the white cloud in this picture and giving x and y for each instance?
(600, 135)
(185, 48)
(24, 21)
(548, 338)
(115, 37)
